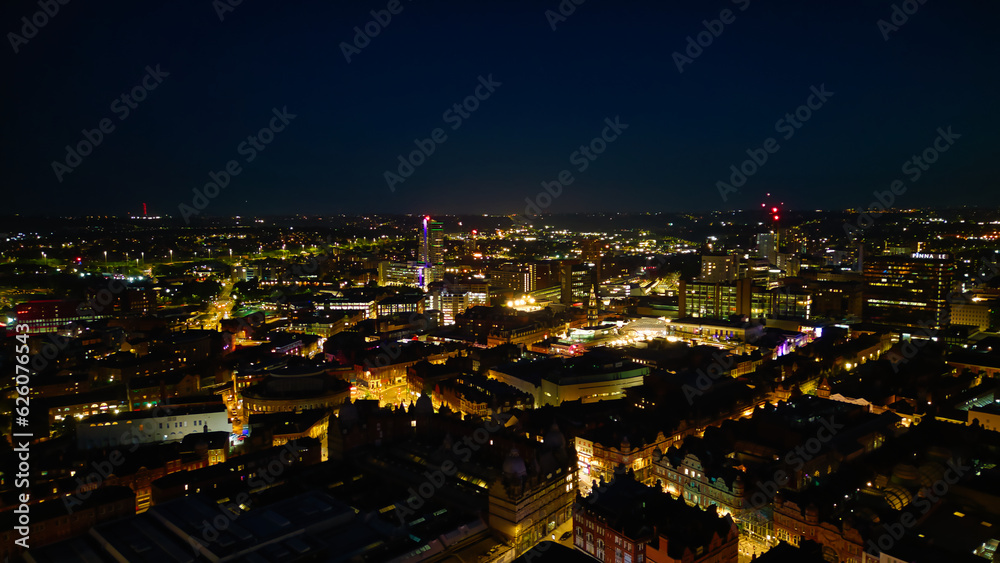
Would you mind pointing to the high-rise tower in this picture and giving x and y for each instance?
(909, 290)
(431, 251)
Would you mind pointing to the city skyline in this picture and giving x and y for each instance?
(515, 388)
(568, 281)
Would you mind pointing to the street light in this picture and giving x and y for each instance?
(105, 259)
(171, 256)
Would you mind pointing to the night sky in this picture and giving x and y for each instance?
(606, 59)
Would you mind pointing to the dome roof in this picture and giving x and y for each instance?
(424, 405)
(906, 472)
(514, 466)
(554, 438)
(931, 473)
(348, 413)
(897, 497)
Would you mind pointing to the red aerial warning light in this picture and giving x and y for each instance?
(427, 217)
(774, 210)
(775, 217)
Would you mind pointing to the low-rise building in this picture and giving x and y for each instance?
(595, 376)
(624, 521)
(149, 427)
(159, 389)
(478, 395)
(525, 508)
(290, 394)
(55, 520)
(402, 303)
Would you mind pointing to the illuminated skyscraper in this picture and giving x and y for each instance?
(431, 251)
(719, 268)
(519, 277)
(767, 246)
(909, 290)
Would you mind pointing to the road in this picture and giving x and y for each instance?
(221, 307)
(748, 548)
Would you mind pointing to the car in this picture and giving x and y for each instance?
(566, 536)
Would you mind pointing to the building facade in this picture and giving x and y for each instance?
(909, 290)
(625, 521)
(526, 509)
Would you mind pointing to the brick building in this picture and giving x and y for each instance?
(624, 521)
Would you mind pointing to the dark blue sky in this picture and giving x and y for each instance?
(607, 59)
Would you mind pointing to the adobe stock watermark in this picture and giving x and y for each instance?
(222, 7)
(229, 512)
(602, 487)
(582, 157)
(717, 370)
(122, 107)
(455, 115)
(87, 484)
(363, 35)
(437, 479)
(566, 9)
(96, 304)
(294, 272)
(787, 125)
(926, 499)
(702, 40)
(31, 26)
(914, 169)
(248, 149)
(390, 350)
(537, 550)
(796, 458)
(899, 16)
(988, 271)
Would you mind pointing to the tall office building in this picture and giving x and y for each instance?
(909, 290)
(576, 280)
(719, 267)
(470, 246)
(519, 277)
(431, 251)
(718, 300)
(449, 302)
(401, 273)
(767, 246)
(593, 312)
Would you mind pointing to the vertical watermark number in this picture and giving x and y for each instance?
(21, 435)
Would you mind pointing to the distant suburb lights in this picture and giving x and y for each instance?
(248, 149)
